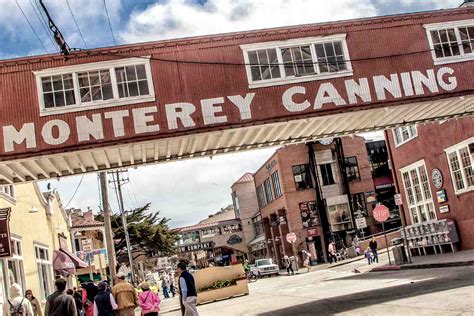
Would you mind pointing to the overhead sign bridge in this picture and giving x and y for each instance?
(148, 103)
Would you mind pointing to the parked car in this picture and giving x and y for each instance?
(265, 267)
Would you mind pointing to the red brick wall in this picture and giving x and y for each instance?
(429, 145)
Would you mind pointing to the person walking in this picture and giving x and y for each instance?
(89, 292)
(17, 304)
(34, 303)
(287, 265)
(332, 252)
(187, 290)
(373, 247)
(125, 295)
(306, 258)
(149, 301)
(77, 295)
(368, 255)
(172, 284)
(59, 303)
(104, 302)
(165, 285)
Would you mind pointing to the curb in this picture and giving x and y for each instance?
(423, 266)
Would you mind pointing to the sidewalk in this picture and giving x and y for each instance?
(456, 259)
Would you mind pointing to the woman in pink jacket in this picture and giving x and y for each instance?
(149, 301)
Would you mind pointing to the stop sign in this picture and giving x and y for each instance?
(291, 237)
(381, 213)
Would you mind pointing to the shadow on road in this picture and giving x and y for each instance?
(358, 300)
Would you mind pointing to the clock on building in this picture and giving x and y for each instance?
(437, 178)
(325, 141)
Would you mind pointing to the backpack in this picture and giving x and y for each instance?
(19, 310)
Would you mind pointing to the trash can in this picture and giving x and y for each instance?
(399, 254)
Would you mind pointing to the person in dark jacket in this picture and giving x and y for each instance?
(373, 247)
(187, 290)
(77, 300)
(59, 303)
(104, 302)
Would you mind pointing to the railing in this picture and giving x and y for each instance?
(379, 234)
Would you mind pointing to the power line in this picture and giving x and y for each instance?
(75, 191)
(108, 20)
(32, 28)
(75, 22)
(42, 21)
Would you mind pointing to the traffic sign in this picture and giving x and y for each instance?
(398, 199)
(86, 245)
(361, 223)
(381, 213)
(291, 237)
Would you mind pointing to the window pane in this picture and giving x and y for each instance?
(57, 83)
(143, 86)
(94, 78)
(47, 85)
(59, 99)
(70, 98)
(122, 89)
(85, 94)
(48, 100)
(141, 73)
(133, 89)
(107, 92)
(131, 75)
(96, 93)
(255, 71)
(120, 74)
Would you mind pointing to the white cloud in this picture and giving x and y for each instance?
(181, 18)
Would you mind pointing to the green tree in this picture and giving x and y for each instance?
(149, 233)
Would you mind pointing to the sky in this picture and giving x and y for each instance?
(189, 190)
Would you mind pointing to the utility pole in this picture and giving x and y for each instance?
(108, 227)
(117, 181)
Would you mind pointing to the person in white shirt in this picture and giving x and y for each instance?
(17, 303)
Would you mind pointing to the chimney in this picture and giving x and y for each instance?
(88, 216)
(467, 3)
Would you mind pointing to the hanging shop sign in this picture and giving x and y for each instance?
(86, 245)
(234, 239)
(437, 178)
(5, 238)
(444, 209)
(442, 196)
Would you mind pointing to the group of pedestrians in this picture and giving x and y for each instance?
(168, 285)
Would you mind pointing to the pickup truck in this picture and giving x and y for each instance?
(265, 267)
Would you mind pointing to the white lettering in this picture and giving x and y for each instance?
(11, 136)
(87, 128)
(243, 104)
(184, 114)
(407, 84)
(117, 121)
(288, 102)
(327, 94)
(392, 85)
(452, 82)
(360, 89)
(428, 81)
(141, 120)
(63, 132)
(209, 109)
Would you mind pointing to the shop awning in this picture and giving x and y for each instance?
(383, 182)
(78, 263)
(257, 240)
(62, 264)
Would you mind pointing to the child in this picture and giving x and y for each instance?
(368, 255)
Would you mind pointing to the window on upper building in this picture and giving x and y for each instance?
(359, 205)
(403, 134)
(94, 85)
(418, 192)
(302, 176)
(261, 196)
(461, 165)
(276, 184)
(44, 271)
(8, 189)
(326, 174)
(257, 225)
(14, 270)
(268, 190)
(297, 60)
(352, 169)
(451, 41)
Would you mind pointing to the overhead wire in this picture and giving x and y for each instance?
(75, 191)
(42, 22)
(108, 20)
(31, 26)
(75, 22)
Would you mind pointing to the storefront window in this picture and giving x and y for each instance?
(44, 271)
(302, 177)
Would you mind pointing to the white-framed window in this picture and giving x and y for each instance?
(94, 85)
(8, 189)
(296, 60)
(418, 192)
(461, 165)
(14, 265)
(404, 134)
(451, 41)
(44, 266)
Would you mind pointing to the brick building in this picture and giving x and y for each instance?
(434, 173)
(246, 208)
(292, 200)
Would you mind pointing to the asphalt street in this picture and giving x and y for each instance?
(341, 291)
